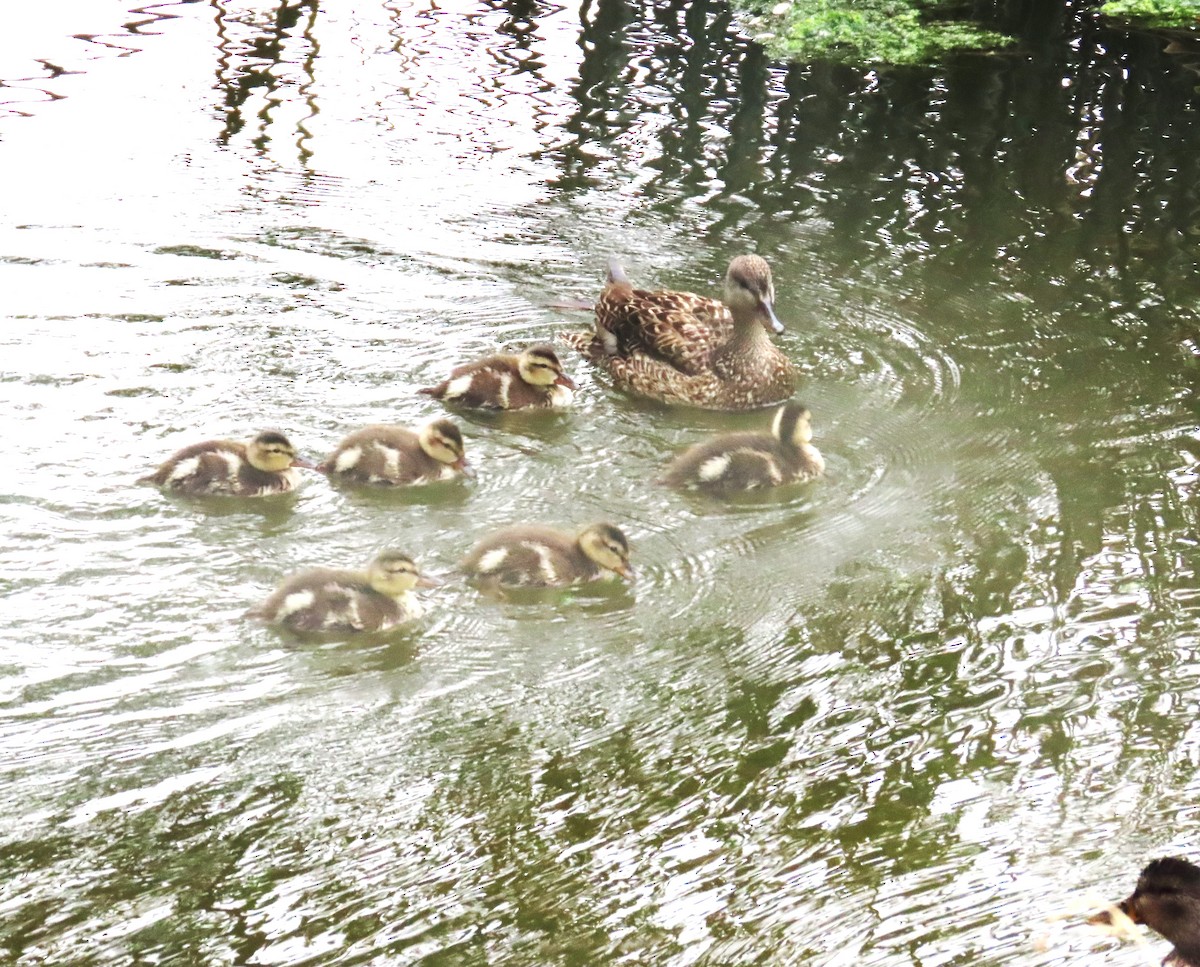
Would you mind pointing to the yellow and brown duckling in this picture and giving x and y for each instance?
(323, 600)
(683, 348)
(266, 465)
(395, 456)
(1167, 899)
(734, 462)
(531, 379)
(535, 556)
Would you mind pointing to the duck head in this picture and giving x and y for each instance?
(750, 291)
(394, 574)
(608, 547)
(540, 366)
(792, 425)
(272, 452)
(1167, 899)
(443, 441)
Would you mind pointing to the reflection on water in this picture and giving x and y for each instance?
(895, 716)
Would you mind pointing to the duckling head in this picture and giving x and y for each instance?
(1167, 899)
(792, 425)
(394, 574)
(608, 547)
(539, 366)
(443, 441)
(272, 452)
(750, 292)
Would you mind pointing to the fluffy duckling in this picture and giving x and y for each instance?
(533, 556)
(1167, 899)
(534, 378)
(265, 465)
(325, 600)
(683, 348)
(736, 462)
(393, 456)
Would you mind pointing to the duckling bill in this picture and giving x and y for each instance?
(737, 462)
(535, 556)
(532, 379)
(266, 465)
(322, 600)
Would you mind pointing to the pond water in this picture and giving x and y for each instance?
(895, 717)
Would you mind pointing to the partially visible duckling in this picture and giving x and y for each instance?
(736, 462)
(1167, 899)
(394, 456)
(325, 600)
(534, 378)
(263, 466)
(534, 556)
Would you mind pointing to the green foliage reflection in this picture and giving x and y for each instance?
(1161, 13)
(875, 31)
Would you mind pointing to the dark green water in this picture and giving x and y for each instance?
(897, 717)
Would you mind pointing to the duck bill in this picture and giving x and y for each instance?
(627, 573)
(428, 581)
(1105, 918)
(304, 464)
(464, 468)
(771, 321)
(565, 380)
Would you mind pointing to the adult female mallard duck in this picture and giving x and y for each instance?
(266, 465)
(394, 456)
(325, 600)
(735, 462)
(1167, 899)
(534, 556)
(683, 348)
(533, 378)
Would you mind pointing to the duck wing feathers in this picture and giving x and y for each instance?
(678, 328)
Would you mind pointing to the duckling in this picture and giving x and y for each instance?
(263, 466)
(683, 348)
(1167, 899)
(394, 456)
(325, 600)
(534, 378)
(736, 462)
(534, 556)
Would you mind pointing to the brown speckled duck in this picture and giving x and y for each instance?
(734, 462)
(532, 379)
(266, 465)
(534, 556)
(324, 600)
(1167, 899)
(394, 456)
(683, 348)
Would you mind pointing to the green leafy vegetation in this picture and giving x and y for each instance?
(872, 31)
(1159, 13)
